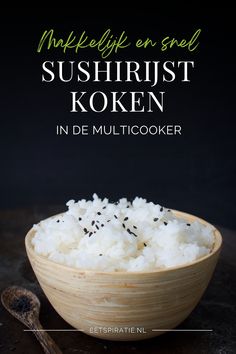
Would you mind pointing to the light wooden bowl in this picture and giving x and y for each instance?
(100, 303)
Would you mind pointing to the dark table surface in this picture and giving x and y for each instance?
(215, 311)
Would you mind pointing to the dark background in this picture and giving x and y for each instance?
(194, 172)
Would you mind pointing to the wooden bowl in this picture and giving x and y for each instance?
(125, 305)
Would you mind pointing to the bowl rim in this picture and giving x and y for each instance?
(188, 217)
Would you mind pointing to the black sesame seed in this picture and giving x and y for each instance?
(161, 209)
(168, 210)
(99, 213)
(126, 218)
(102, 225)
(58, 220)
(90, 234)
(100, 254)
(128, 230)
(85, 230)
(115, 217)
(123, 226)
(127, 206)
(145, 245)
(80, 219)
(21, 304)
(104, 207)
(155, 219)
(188, 224)
(132, 233)
(108, 220)
(93, 222)
(97, 227)
(135, 227)
(165, 223)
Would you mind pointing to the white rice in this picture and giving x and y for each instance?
(122, 236)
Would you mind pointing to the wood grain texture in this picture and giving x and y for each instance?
(161, 299)
(28, 314)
